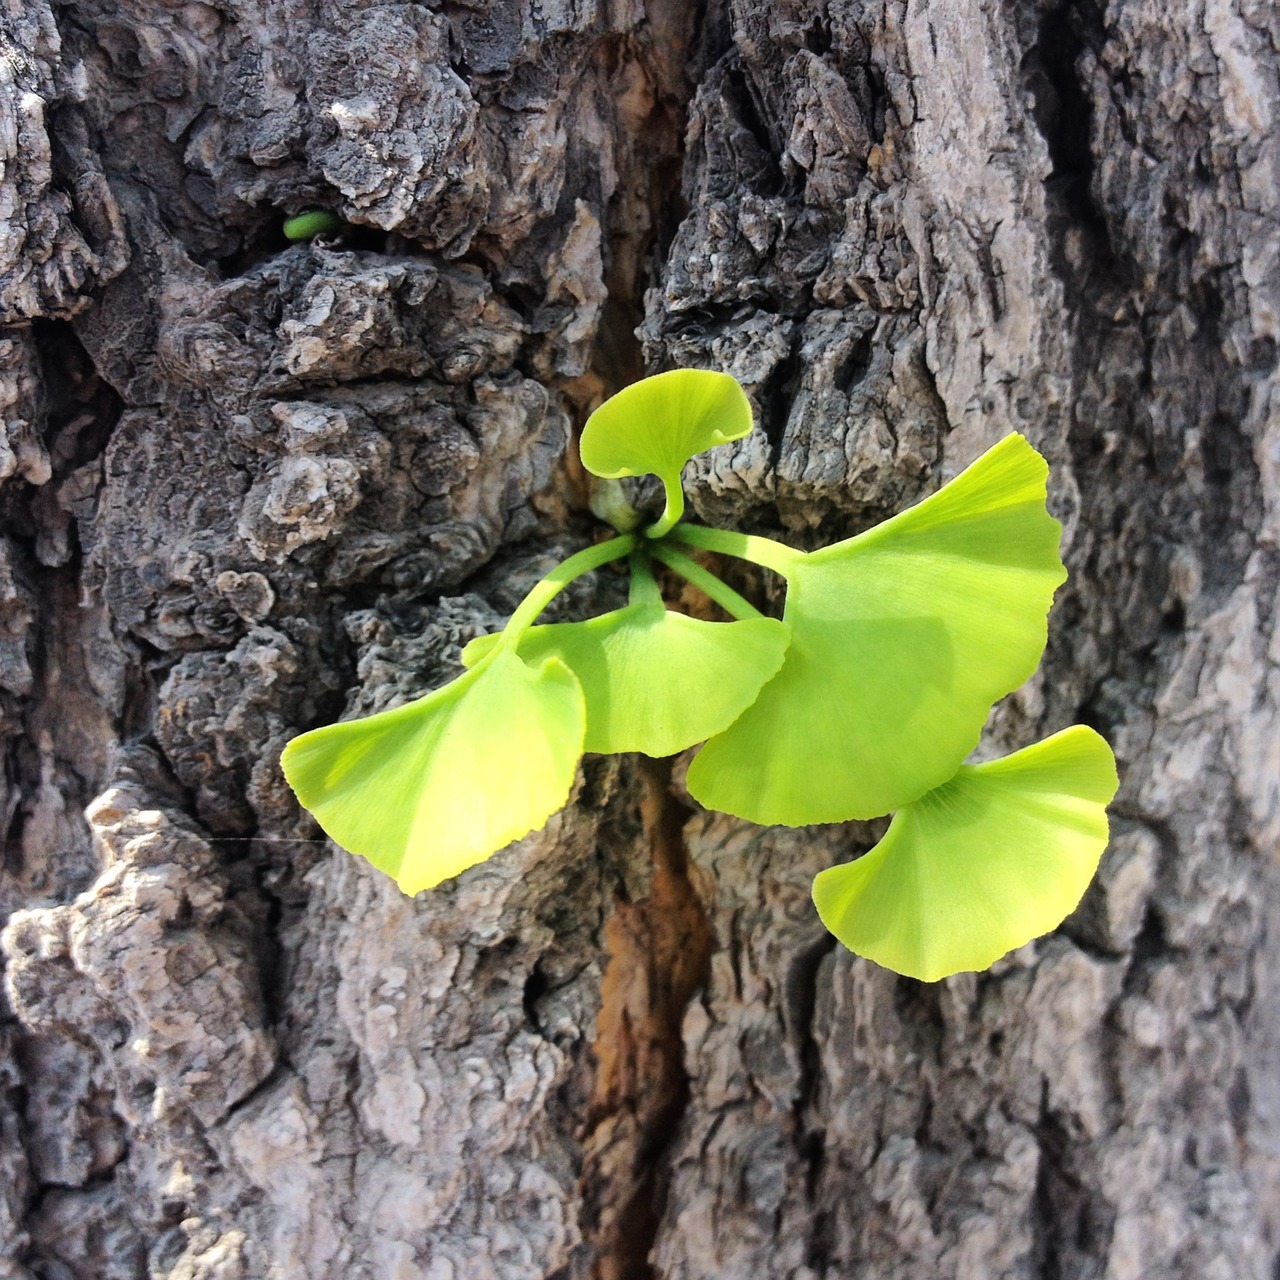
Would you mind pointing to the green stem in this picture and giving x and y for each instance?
(644, 587)
(549, 587)
(706, 582)
(744, 546)
(672, 512)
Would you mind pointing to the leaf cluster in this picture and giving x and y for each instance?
(864, 699)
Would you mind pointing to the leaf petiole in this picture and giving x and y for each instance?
(644, 587)
(743, 546)
(672, 512)
(706, 582)
(549, 587)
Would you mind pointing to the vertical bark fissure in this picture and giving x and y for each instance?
(658, 950)
(69, 707)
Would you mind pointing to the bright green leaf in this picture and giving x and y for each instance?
(902, 639)
(657, 424)
(426, 790)
(997, 856)
(656, 681)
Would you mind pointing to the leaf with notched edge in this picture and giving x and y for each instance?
(426, 790)
(901, 640)
(1000, 854)
(654, 680)
(657, 424)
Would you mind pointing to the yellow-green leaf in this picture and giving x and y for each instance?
(1000, 854)
(657, 681)
(657, 424)
(901, 640)
(426, 790)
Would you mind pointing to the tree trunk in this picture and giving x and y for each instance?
(253, 486)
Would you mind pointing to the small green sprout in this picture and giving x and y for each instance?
(864, 698)
(311, 223)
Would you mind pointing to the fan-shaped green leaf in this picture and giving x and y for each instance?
(997, 856)
(902, 639)
(426, 790)
(656, 681)
(657, 424)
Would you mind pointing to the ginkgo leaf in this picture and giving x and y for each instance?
(901, 640)
(657, 681)
(426, 790)
(657, 424)
(1000, 854)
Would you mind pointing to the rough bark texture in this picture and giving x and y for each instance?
(249, 487)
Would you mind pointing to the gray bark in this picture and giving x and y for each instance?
(250, 487)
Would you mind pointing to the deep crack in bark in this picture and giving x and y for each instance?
(658, 954)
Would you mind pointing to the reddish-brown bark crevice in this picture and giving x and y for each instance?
(658, 953)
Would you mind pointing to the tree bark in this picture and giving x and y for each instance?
(249, 487)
